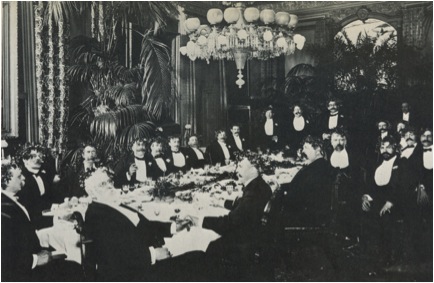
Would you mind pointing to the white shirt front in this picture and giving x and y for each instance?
(225, 150)
(39, 181)
(298, 123)
(333, 121)
(406, 116)
(141, 173)
(161, 164)
(403, 143)
(384, 172)
(199, 153)
(238, 142)
(269, 127)
(384, 134)
(178, 159)
(407, 152)
(427, 159)
(339, 159)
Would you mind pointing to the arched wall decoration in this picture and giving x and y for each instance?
(10, 69)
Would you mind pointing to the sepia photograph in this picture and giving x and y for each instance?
(230, 141)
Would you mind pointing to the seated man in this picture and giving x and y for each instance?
(197, 157)
(125, 244)
(178, 157)
(307, 201)
(37, 194)
(239, 229)
(236, 141)
(158, 165)
(218, 151)
(73, 182)
(134, 168)
(22, 256)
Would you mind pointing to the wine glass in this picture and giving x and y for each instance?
(125, 189)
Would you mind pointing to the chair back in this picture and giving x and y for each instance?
(88, 263)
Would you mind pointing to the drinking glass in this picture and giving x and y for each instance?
(125, 189)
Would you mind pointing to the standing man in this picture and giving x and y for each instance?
(235, 141)
(36, 194)
(298, 128)
(133, 168)
(219, 151)
(408, 115)
(270, 131)
(331, 120)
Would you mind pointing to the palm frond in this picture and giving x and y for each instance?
(156, 84)
(139, 130)
(122, 95)
(106, 126)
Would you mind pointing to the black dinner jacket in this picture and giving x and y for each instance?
(120, 249)
(123, 167)
(19, 242)
(233, 146)
(323, 122)
(390, 192)
(31, 199)
(307, 202)
(215, 154)
(155, 171)
(168, 157)
(242, 223)
(293, 137)
(194, 160)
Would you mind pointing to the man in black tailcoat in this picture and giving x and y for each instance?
(236, 141)
(134, 168)
(219, 151)
(197, 157)
(331, 119)
(37, 194)
(22, 256)
(179, 157)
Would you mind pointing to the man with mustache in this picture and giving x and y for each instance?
(380, 204)
(178, 157)
(400, 132)
(36, 195)
(158, 164)
(219, 151)
(346, 180)
(236, 142)
(75, 175)
(135, 167)
(297, 128)
(331, 120)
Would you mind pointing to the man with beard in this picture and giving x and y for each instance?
(345, 176)
(75, 175)
(197, 157)
(133, 168)
(219, 151)
(331, 120)
(297, 129)
(380, 204)
(178, 158)
(36, 195)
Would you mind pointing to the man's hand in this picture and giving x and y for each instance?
(56, 179)
(275, 138)
(386, 208)
(182, 224)
(194, 220)
(325, 136)
(162, 253)
(133, 169)
(366, 203)
(44, 257)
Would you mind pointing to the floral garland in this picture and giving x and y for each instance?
(101, 22)
(92, 25)
(50, 83)
(62, 86)
(39, 65)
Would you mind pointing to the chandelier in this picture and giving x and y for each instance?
(249, 33)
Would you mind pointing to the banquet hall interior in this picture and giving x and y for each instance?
(217, 141)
